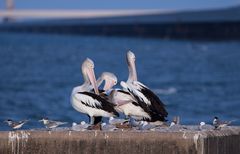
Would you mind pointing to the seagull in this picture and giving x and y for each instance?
(49, 124)
(80, 127)
(135, 123)
(87, 102)
(114, 121)
(144, 125)
(175, 124)
(15, 124)
(204, 126)
(175, 121)
(106, 127)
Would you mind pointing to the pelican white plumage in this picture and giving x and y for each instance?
(87, 102)
(142, 102)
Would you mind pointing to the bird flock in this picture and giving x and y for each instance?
(141, 107)
(134, 99)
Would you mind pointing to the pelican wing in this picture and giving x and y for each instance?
(140, 100)
(156, 104)
(96, 101)
(145, 96)
(121, 97)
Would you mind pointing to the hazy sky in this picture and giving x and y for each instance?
(121, 4)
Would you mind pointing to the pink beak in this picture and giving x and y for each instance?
(108, 85)
(92, 79)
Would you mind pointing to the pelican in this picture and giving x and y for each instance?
(142, 102)
(87, 102)
(110, 80)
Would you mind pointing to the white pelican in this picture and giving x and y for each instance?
(141, 101)
(87, 102)
(110, 80)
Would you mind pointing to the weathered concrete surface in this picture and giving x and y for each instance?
(72, 142)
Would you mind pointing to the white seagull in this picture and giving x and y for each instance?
(80, 127)
(114, 121)
(204, 126)
(108, 127)
(92, 104)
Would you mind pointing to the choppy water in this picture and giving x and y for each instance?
(196, 80)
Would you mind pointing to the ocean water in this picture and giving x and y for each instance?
(196, 80)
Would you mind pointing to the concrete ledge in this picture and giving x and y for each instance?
(72, 142)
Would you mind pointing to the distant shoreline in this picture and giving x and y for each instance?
(220, 24)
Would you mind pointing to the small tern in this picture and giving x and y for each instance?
(16, 124)
(221, 124)
(49, 124)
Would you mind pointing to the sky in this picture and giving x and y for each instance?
(122, 4)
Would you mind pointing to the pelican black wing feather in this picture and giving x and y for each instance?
(156, 104)
(154, 116)
(105, 105)
(125, 92)
(139, 102)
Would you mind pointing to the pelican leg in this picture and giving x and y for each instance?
(91, 120)
(97, 120)
(95, 123)
(127, 117)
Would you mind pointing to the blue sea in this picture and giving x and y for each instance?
(197, 80)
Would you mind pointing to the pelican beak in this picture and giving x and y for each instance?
(92, 78)
(108, 85)
(134, 70)
(40, 120)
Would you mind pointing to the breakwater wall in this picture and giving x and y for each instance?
(125, 142)
(218, 30)
(206, 24)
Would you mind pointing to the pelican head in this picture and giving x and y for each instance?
(87, 64)
(88, 73)
(110, 80)
(131, 66)
(130, 56)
